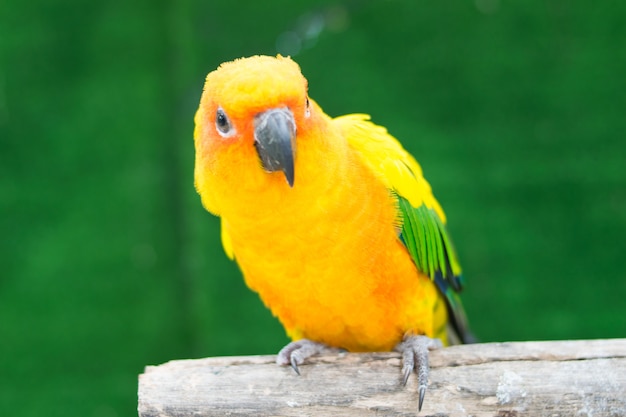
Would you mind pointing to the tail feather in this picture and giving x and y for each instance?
(459, 330)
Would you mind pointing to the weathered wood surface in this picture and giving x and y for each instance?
(567, 378)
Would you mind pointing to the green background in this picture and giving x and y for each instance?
(109, 263)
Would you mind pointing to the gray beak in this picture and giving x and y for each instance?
(275, 141)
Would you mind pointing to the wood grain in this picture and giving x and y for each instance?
(563, 378)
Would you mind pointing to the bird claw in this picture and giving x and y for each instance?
(422, 391)
(414, 351)
(295, 353)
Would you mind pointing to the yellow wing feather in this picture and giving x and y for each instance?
(388, 160)
(227, 243)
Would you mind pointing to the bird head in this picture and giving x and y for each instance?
(249, 116)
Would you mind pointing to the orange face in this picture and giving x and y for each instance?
(252, 114)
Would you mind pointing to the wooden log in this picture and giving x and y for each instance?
(565, 378)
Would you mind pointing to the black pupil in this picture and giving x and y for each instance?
(222, 121)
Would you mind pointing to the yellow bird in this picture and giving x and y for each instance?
(330, 220)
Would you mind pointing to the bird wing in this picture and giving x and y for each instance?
(421, 220)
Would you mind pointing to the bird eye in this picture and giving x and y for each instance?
(222, 123)
(307, 109)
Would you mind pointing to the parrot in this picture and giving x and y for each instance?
(330, 220)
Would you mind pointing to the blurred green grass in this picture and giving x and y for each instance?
(109, 263)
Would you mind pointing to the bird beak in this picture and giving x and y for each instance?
(275, 141)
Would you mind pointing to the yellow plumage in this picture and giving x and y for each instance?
(388, 160)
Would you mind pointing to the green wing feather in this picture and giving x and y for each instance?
(421, 219)
(438, 261)
(427, 240)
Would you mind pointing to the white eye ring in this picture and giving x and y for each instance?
(222, 124)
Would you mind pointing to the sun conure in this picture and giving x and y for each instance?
(329, 219)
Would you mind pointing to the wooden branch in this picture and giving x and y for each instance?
(567, 378)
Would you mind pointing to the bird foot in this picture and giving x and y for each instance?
(414, 351)
(295, 353)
